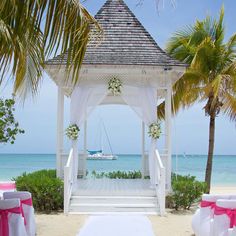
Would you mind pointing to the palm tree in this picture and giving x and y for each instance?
(211, 76)
(32, 30)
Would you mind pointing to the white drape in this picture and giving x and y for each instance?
(143, 100)
(84, 100)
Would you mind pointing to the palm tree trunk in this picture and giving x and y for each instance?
(210, 152)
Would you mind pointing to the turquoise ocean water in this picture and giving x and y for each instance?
(224, 168)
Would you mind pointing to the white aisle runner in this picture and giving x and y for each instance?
(114, 225)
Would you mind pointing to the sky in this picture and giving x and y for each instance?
(189, 128)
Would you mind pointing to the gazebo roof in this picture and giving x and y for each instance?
(125, 41)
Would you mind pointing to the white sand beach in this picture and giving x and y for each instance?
(61, 225)
(177, 222)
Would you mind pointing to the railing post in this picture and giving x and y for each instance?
(163, 192)
(68, 181)
(160, 179)
(66, 187)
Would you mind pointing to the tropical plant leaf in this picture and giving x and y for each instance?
(32, 30)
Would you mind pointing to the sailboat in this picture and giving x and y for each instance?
(98, 154)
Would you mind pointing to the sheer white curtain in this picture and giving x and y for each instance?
(84, 100)
(143, 100)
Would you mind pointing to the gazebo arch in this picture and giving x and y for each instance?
(129, 53)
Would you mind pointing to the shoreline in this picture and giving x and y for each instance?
(223, 189)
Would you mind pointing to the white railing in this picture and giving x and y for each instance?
(160, 180)
(68, 181)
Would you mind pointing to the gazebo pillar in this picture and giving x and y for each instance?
(85, 150)
(143, 164)
(168, 98)
(60, 131)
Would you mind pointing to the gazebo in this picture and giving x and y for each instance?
(127, 53)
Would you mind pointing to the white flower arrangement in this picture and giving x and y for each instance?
(154, 130)
(72, 132)
(114, 86)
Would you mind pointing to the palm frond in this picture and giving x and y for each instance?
(219, 28)
(211, 75)
(229, 107)
(65, 29)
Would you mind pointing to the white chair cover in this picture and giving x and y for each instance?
(15, 221)
(232, 232)
(221, 223)
(201, 221)
(117, 226)
(28, 210)
(9, 186)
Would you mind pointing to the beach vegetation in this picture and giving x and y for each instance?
(186, 191)
(117, 174)
(31, 31)
(210, 77)
(9, 127)
(45, 187)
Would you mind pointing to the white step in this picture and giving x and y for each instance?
(112, 209)
(147, 193)
(113, 199)
(113, 204)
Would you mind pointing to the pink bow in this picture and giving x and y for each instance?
(4, 219)
(212, 205)
(231, 213)
(7, 186)
(26, 202)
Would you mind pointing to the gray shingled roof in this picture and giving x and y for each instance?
(125, 41)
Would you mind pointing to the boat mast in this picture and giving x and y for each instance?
(107, 137)
(101, 137)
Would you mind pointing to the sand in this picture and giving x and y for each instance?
(173, 224)
(61, 225)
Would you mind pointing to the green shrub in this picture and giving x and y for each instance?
(45, 187)
(117, 175)
(186, 191)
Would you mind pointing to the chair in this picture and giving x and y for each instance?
(7, 186)
(27, 208)
(224, 217)
(232, 232)
(11, 220)
(201, 221)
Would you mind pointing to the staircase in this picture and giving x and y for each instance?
(142, 204)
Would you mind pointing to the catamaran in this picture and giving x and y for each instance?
(98, 154)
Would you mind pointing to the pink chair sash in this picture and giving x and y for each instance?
(212, 205)
(26, 202)
(231, 213)
(4, 219)
(7, 186)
